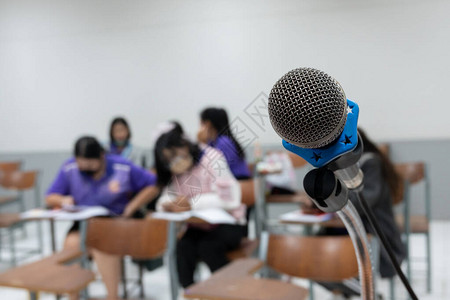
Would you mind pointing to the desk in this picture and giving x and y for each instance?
(81, 214)
(235, 281)
(51, 276)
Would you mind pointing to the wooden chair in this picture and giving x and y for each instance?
(317, 258)
(8, 167)
(415, 174)
(51, 275)
(330, 259)
(112, 236)
(248, 246)
(21, 181)
(236, 281)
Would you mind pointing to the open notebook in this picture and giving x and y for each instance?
(299, 216)
(72, 213)
(210, 215)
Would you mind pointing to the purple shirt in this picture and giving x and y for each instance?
(237, 164)
(121, 181)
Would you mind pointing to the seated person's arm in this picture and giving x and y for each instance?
(142, 198)
(143, 183)
(58, 193)
(58, 200)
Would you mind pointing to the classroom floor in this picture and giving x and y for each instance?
(157, 282)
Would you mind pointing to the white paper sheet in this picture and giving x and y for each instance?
(82, 213)
(299, 216)
(74, 213)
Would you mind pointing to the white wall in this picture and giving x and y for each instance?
(68, 67)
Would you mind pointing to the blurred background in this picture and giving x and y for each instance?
(67, 68)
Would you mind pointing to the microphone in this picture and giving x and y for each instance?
(309, 111)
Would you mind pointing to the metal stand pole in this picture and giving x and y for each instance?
(355, 228)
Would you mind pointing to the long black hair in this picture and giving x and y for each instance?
(175, 138)
(119, 120)
(219, 120)
(88, 147)
(388, 170)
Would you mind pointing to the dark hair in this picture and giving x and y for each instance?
(88, 147)
(388, 170)
(219, 120)
(172, 139)
(119, 120)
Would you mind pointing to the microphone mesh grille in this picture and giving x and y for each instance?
(307, 108)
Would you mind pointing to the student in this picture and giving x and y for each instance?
(93, 178)
(196, 178)
(120, 142)
(215, 131)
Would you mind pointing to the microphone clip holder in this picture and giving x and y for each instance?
(323, 185)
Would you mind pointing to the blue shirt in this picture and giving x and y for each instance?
(121, 181)
(237, 164)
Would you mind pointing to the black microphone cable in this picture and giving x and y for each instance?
(374, 223)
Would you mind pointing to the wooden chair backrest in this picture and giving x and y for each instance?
(10, 166)
(384, 148)
(139, 238)
(321, 258)
(18, 180)
(412, 172)
(247, 191)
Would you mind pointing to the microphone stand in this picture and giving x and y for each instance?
(328, 187)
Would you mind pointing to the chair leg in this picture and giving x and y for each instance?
(22, 209)
(408, 258)
(34, 296)
(12, 245)
(141, 282)
(392, 287)
(40, 237)
(1, 240)
(407, 230)
(428, 262)
(311, 290)
(124, 279)
(172, 259)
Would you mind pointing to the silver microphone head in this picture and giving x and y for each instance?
(308, 108)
